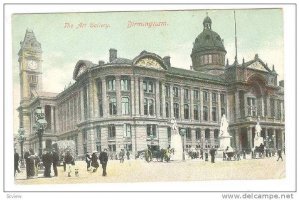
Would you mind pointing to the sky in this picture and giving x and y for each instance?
(259, 31)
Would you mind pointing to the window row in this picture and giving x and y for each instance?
(125, 108)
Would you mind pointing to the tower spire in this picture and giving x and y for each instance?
(235, 59)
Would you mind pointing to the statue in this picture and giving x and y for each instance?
(174, 126)
(224, 126)
(257, 129)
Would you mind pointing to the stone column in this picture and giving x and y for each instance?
(201, 105)
(282, 139)
(163, 99)
(137, 96)
(202, 137)
(104, 98)
(91, 144)
(249, 135)
(193, 133)
(262, 106)
(274, 138)
(118, 96)
(157, 99)
(90, 99)
(171, 102)
(104, 137)
(141, 96)
(210, 106)
(132, 106)
(81, 105)
(219, 107)
(237, 106)
(282, 111)
(95, 97)
(268, 106)
(52, 120)
(212, 138)
(181, 103)
(275, 108)
(192, 104)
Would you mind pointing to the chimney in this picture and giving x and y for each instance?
(166, 60)
(281, 83)
(101, 62)
(112, 54)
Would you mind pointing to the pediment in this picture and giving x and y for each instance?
(150, 63)
(258, 66)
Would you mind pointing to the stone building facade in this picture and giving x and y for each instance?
(129, 103)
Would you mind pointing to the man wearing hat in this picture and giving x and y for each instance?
(47, 162)
(55, 161)
(95, 163)
(103, 160)
(88, 161)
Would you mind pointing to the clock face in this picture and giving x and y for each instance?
(32, 64)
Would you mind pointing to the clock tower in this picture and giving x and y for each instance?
(30, 72)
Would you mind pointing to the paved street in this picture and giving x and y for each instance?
(190, 170)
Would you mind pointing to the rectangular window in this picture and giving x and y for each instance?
(186, 111)
(124, 85)
(145, 106)
(214, 97)
(186, 94)
(98, 133)
(272, 104)
(209, 58)
(151, 107)
(205, 113)
(251, 104)
(113, 106)
(214, 113)
(188, 134)
(167, 88)
(111, 85)
(111, 131)
(205, 96)
(169, 133)
(151, 130)
(175, 92)
(196, 94)
(127, 130)
(198, 134)
(222, 98)
(176, 110)
(148, 86)
(167, 110)
(145, 86)
(125, 105)
(196, 112)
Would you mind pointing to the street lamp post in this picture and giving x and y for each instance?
(21, 139)
(40, 126)
(182, 133)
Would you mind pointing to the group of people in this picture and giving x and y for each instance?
(33, 162)
(92, 161)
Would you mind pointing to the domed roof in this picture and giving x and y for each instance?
(207, 20)
(208, 39)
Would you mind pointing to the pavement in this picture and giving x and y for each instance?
(142, 171)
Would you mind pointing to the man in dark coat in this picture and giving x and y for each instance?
(47, 162)
(121, 155)
(26, 157)
(69, 160)
(128, 155)
(16, 162)
(55, 161)
(212, 154)
(95, 163)
(88, 161)
(279, 154)
(103, 160)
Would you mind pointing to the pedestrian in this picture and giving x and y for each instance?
(121, 155)
(47, 162)
(103, 160)
(244, 154)
(88, 161)
(16, 162)
(26, 157)
(279, 154)
(128, 155)
(69, 160)
(94, 163)
(212, 154)
(55, 161)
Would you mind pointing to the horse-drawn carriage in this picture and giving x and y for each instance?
(154, 155)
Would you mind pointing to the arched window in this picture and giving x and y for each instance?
(113, 106)
(186, 111)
